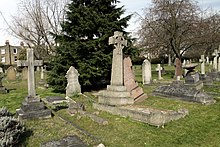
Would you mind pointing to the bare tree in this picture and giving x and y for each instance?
(171, 26)
(36, 21)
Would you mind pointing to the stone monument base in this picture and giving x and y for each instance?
(115, 96)
(207, 80)
(198, 85)
(150, 116)
(177, 90)
(32, 108)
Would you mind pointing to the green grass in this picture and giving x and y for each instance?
(200, 128)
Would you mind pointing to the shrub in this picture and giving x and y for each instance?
(10, 129)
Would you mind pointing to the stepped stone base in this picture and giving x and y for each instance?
(33, 108)
(150, 116)
(115, 96)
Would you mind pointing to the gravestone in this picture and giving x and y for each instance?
(129, 81)
(178, 69)
(169, 60)
(11, 74)
(32, 106)
(3, 90)
(116, 93)
(1, 70)
(42, 73)
(73, 87)
(202, 61)
(184, 62)
(178, 90)
(219, 64)
(24, 73)
(146, 72)
(159, 69)
(207, 60)
(192, 77)
(215, 61)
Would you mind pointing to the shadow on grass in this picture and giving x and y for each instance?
(24, 137)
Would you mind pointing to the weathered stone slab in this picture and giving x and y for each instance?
(55, 99)
(146, 72)
(150, 116)
(178, 90)
(69, 141)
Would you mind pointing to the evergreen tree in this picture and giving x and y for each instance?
(84, 43)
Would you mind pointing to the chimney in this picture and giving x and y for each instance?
(22, 44)
(7, 42)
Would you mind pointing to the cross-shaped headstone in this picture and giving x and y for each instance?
(118, 41)
(202, 60)
(30, 63)
(117, 61)
(159, 68)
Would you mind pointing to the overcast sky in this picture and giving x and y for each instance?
(9, 7)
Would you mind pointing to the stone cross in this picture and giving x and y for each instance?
(202, 60)
(30, 63)
(159, 68)
(117, 61)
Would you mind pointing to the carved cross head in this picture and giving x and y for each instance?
(118, 40)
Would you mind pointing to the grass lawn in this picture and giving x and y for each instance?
(200, 128)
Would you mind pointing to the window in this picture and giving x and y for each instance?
(15, 58)
(2, 51)
(3, 60)
(15, 51)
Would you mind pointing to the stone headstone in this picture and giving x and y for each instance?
(32, 107)
(202, 61)
(169, 60)
(3, 90)
(215, 61)
(184, 62)
(1, 70)
(178, 68)
(73, 87)
(116, 93)
(24, 73)
(11, 74)
(42, 73)
(146, 72)
(159, 69)
(207, 60)
(129, 81)
(219, 64)
(211, 63)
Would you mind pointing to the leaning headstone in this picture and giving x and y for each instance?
(24, 73)
(11, 74)
(116, 93)
(146, 72)
(178, 69)
(32, 107)
(73, 87)
(129, 81)
(159, 69)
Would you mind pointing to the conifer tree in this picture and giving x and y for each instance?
(84, 43)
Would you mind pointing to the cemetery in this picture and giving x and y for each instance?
(94, 118)
(91, 84)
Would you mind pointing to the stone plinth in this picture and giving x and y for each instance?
(177, 90)
(115, 96)
(33, 108)
(192, 80)
(150, 116)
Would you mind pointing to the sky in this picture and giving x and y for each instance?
(136, 7)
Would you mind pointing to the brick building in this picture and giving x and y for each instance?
(9, 54)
